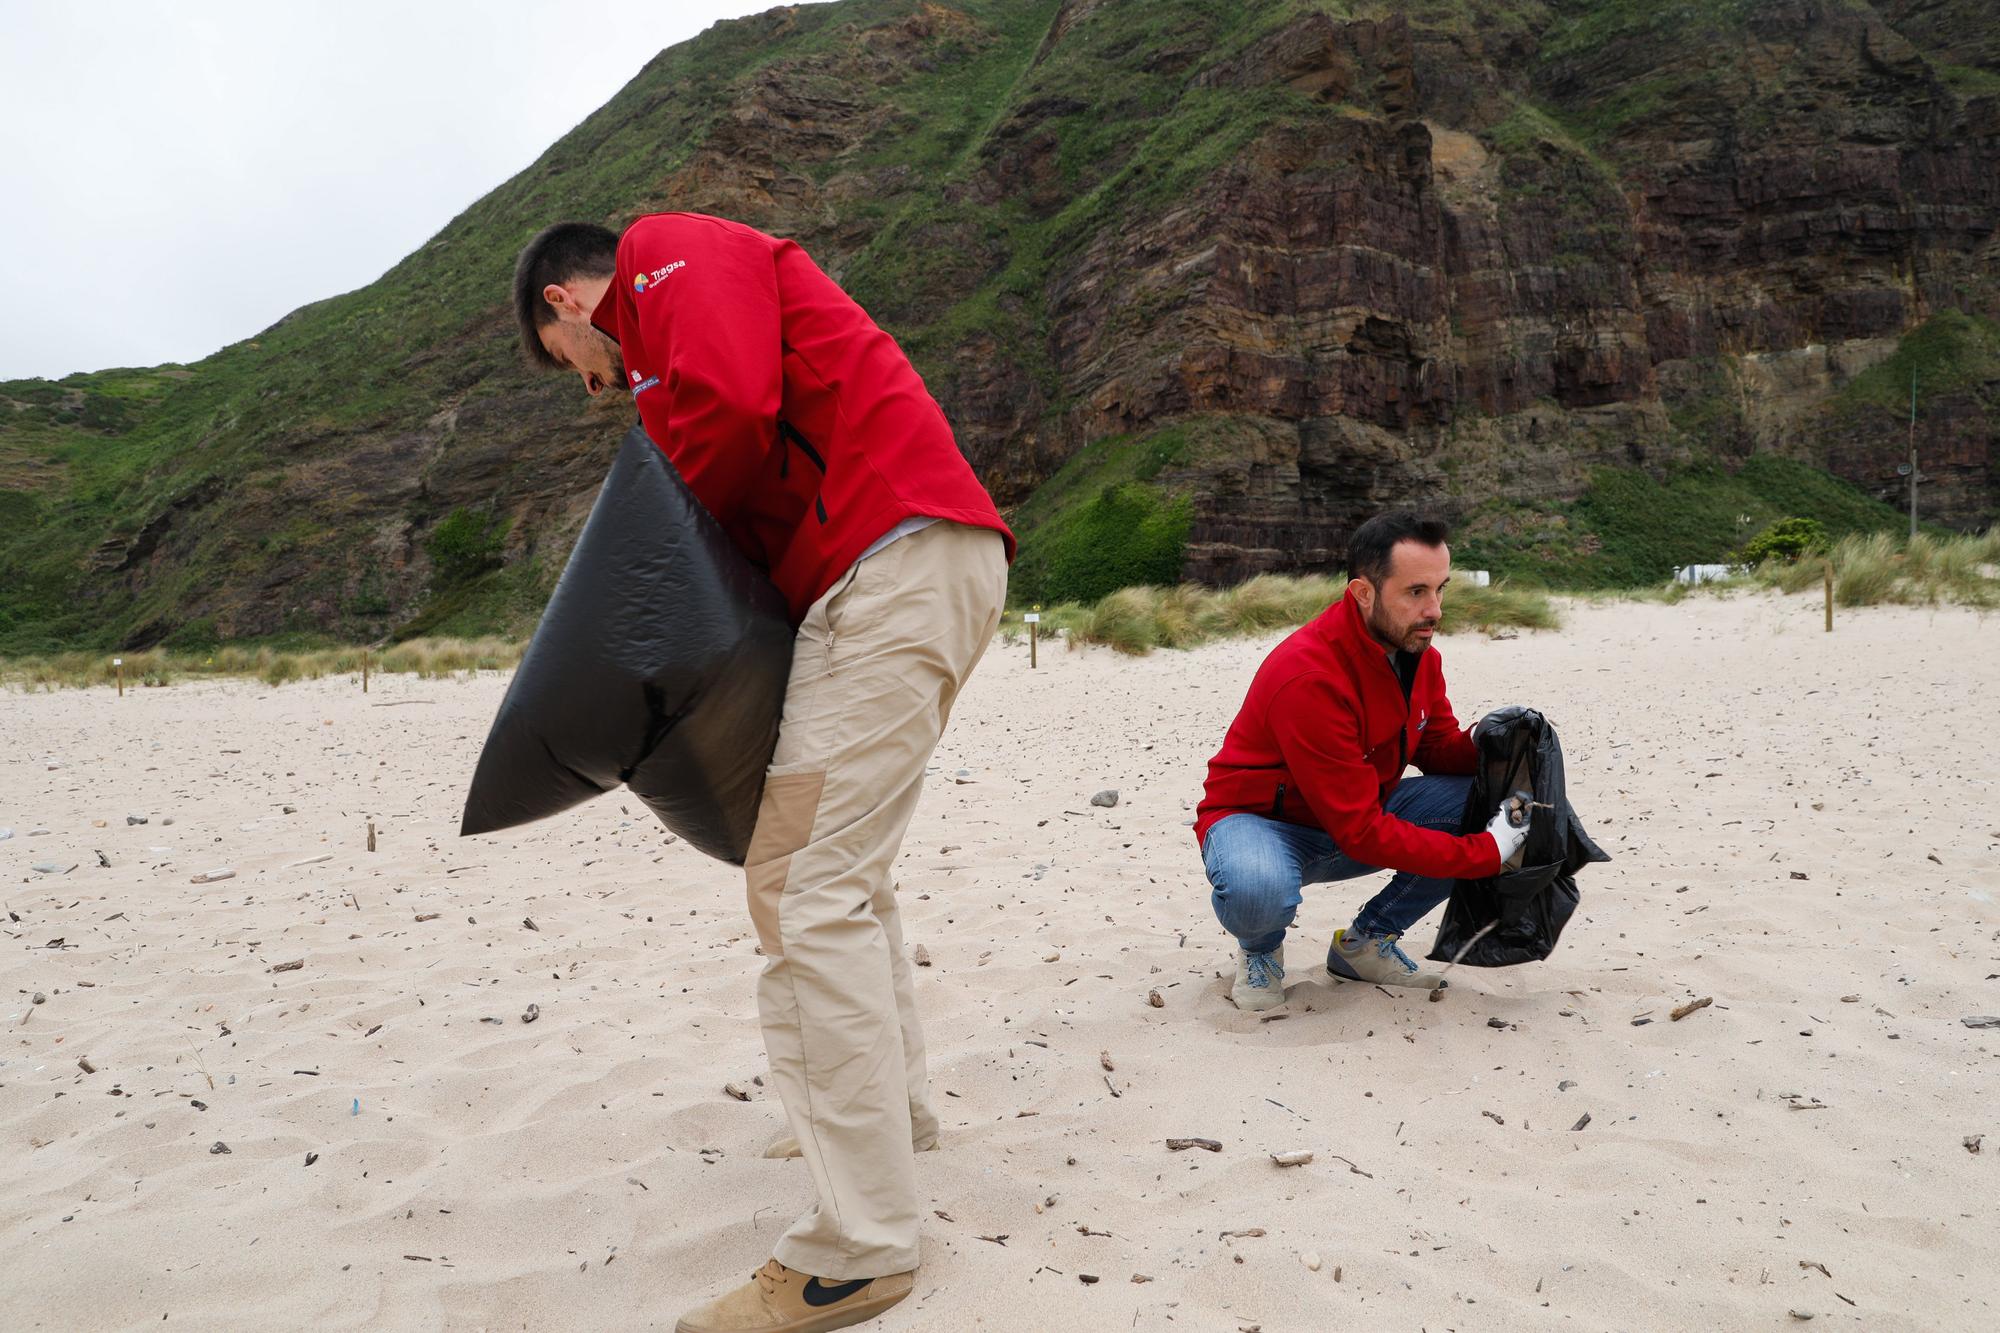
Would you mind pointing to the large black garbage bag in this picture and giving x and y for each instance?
(1526, 908)
(661, 663)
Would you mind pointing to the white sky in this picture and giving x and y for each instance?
(175, 177)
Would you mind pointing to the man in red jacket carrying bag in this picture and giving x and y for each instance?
(1308, 786)
(805, 431)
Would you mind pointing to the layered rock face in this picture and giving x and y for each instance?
(1420, 316)
(1441, 295)
(1448, 258)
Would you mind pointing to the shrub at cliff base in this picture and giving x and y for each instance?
(1786, 540)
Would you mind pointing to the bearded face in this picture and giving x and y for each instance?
(1404, 609)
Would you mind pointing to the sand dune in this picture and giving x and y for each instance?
(1807, 828)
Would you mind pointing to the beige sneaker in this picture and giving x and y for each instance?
(785, 1145)
(1377, 958)
(1260, 980)
(777, 1299)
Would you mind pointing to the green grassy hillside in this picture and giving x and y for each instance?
(1429, 217)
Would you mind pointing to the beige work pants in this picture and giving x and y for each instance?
(878, 662)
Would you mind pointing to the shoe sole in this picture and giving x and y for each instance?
(849, 1314)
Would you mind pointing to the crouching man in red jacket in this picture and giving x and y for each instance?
(1308, 786)
(808, 435)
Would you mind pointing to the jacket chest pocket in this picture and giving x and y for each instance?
(1386, 747)
(790, 441)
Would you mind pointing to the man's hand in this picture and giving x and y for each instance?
(1508, 836)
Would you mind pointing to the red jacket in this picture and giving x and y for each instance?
(1323, 738)
(798, 423)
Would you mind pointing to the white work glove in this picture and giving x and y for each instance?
(1507, 837)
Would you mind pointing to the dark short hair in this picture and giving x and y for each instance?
(559, 254)
(1369, 549)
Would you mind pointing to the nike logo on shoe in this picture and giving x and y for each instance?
(818, 1294)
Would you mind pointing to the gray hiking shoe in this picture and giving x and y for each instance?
(1376, 958)
(1260, 980)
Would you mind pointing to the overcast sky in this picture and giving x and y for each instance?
(175, 177)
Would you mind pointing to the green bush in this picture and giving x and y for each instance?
(465, 545)
(1129, 536)
(1786, 540)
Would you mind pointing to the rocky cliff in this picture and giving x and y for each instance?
(1230, 274)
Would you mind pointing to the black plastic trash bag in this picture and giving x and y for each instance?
(1526, 908)
(660, 663)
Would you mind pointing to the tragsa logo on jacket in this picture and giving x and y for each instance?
(641, 281)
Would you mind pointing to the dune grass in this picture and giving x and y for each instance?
(1923, 571)
(151, 668)
(1138, 620)
(1870, 569)
(1874, 569)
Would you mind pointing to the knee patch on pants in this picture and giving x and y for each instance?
(784, 824)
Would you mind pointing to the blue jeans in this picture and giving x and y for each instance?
(1258, 866)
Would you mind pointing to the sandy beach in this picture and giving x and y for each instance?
(1806, 828)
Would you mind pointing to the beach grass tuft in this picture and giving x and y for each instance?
(1876, 569)
(154, 667)
(1138, 620)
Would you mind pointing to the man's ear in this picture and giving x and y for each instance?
(1362, 593)
(558, 296)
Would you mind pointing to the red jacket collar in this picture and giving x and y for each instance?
(1342, 626)
(605, 316)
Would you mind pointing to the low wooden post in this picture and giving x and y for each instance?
(364, 671)
(371, 835)
(1034, 619)
(1829, 597)
(119, 664)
